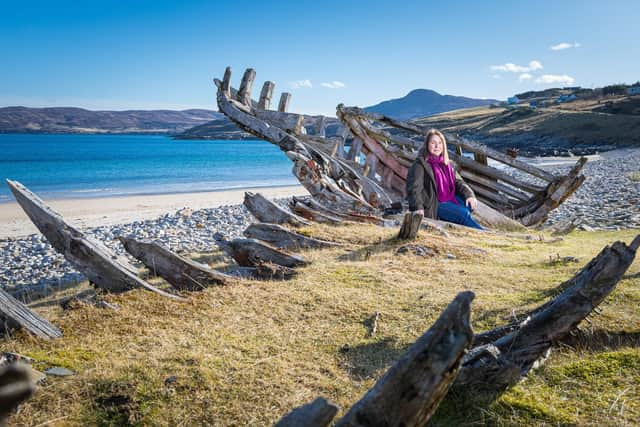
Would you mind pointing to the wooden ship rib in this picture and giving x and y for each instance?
(361, 182)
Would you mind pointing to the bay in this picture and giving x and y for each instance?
(72, 166)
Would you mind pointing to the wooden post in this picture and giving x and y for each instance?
(320, 127)
(372, 165)
(265, 95)
(318, 413)
(18, 314)
(226, 82)
(410, 225)
(283, 105)
(354, 151)
(244, 93)
(411, 390)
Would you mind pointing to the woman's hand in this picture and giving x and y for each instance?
(420, 211)
(472, 203)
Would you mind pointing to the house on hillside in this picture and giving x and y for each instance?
(513, 100)
(633, 90)
(566, 98)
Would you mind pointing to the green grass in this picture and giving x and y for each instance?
(248, 353)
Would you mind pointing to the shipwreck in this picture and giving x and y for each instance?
(358, 171)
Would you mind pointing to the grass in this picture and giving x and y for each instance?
(634, 176)
(246, 354)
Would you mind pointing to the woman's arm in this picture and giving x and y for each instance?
(415, 187)
(467, 193)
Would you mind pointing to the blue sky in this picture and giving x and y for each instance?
(160, 54)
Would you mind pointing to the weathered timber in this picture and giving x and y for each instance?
(264, 103)
(515, 348)
(92, 258)
(319, 128)
(264, 271)
(252, 252)
(495, 185)
(181, 273)
(244, 93)
(410, 225)
(15, 314)
(282, 238)
(16, 386)
(494, 219)
(283, 105)
(313, 215)
(286, 121)
(318, 413)
(411, 390)
(226, 82)
(267, 211)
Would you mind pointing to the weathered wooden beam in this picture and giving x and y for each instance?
(354, 150)
(285, 121)
(313, 215)
(410, 225)
(267, 211)
(92, 258)
(318, 413)
(264, 103)
(283, 105)
(411, 390)
(282, 238)
(485, 151)
(16, 386)
(514, 350)
(252, 252)
(372, 165)
(16, 314)
(181, 273)
(320, 127)
(494, 219)
(244, 93)
(495, 185)
(226, 82)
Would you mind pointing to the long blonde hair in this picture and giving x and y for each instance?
(425, 148)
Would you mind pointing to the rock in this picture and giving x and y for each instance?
(58, 371)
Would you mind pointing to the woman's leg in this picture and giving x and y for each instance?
(458, 214)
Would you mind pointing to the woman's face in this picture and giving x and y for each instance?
(434, 146)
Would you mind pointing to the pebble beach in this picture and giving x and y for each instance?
(608, 200)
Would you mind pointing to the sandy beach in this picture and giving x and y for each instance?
(95, 212)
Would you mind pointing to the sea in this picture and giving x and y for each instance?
(78, 166)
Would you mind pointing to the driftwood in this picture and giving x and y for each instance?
(267, 211)
(15, 314)
(262, 271)
(92, 258)
(16, 386)
(253, 253)
(410, 225)
(181, 273)
(282, 238)
(313, 215)
(514, 349)
(318, 413)
(411, 390)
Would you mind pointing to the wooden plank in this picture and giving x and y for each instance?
(283, 105)
(16, 386)
(92, 258)
(410, 225)
(495, 185)
(318, 413)
(267, 211)
(246, 85)
(285, 121)
(17, 314)
(226, 82)
(264, 103)
(252, 252)
(411, 390)
(354, 150)
(319, 128)
(181, 273)
(282, 238)
(372, 164)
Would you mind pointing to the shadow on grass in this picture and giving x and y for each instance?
(366, 361)
(600, 340)
(383, 246)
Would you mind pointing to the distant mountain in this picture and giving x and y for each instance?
(78, 120)
(425, 102)
(222, 128)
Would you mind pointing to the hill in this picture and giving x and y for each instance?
(425, 102)
(79, 120)
(247, 353)
(580, 127)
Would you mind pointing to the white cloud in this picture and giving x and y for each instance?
(300, 83)
(513, 68)
(334, 85)
(563, 46)
(525, 76)
(496, 76)
(555, 78)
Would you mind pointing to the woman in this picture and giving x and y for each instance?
(433, 188)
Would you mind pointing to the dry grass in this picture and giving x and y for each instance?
(247, 354)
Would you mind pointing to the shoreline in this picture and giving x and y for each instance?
(86, 212)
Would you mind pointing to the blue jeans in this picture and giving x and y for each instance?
(458, 214)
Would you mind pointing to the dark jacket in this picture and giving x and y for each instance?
(421, 188)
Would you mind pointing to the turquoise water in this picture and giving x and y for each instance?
(70, 166)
